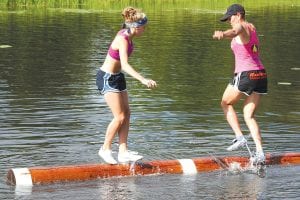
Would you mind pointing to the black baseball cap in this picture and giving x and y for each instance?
(233, 10)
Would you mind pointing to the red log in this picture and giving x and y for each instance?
(46, 175)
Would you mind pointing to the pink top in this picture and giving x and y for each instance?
(115, 53)
(247, 55)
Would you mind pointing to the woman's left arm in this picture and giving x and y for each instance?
(230, 33)
(129, 69)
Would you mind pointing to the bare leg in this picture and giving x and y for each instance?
(250, 105)
(116, 103)
(124, 129)
(230, 97)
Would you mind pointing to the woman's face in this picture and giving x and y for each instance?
(234, 19)
(139, 30)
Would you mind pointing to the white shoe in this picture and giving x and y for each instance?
(128, 156)
(237, 144)
(106, 155)
(259, 157)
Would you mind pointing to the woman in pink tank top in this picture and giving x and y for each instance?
(250, 79)
(112, 84)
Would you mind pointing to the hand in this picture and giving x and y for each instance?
(149, 83)
(218, 35)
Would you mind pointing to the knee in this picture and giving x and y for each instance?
(248, 116)
(122, 117)
(224, 103)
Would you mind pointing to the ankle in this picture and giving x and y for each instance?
(260, 153)
(240, 137)
(106, 147)
(123, 148)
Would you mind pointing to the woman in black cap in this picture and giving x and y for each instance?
(250, 78)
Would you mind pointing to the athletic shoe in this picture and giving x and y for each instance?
(259, 157)
(106, 155)
(237, 144)
(128, 156)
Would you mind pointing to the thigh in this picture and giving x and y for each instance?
(231, 95)
(117, 102)
(251, 103)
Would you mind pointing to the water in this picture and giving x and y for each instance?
(51, 113)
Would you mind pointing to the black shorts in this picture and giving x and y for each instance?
(107, 82)
(251, 81)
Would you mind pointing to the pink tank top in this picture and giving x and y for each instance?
(115, 53)
(247, 55)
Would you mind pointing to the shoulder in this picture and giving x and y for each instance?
(250, 26)
(119, 40)
(238, 28)
(122, 35)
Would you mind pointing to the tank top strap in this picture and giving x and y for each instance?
(123, 33)
(252, 32)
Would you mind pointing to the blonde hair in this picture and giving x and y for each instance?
(131, 14)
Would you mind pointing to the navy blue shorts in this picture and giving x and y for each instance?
(251, 81)
(107, 82)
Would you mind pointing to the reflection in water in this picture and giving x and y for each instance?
(51, 113)
(23, 190)
(253, 184)
(117, 189)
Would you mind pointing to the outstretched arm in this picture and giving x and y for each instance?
(230, 33)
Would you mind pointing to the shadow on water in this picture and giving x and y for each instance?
(52, 114)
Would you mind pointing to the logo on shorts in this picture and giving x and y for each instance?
(257, 75)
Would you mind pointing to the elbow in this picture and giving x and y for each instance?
(124, 65)
(234, 33)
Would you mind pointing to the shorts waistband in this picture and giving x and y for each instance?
(258, 70)
(110, 72)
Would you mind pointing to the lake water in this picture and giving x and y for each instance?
(52, 114)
